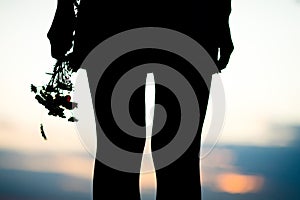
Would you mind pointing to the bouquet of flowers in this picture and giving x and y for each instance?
(55, 96)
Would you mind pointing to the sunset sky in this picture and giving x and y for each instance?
(262, 120)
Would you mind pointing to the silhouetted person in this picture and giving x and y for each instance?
(206, 21)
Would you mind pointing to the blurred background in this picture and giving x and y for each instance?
(257, 155)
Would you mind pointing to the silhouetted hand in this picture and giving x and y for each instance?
(225, 47)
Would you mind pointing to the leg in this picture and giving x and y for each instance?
(111, 182)
(182, 177)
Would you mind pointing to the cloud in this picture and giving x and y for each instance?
(295, 129)
(19, 185)
(220, 174)
(254, 172)
(76, 165)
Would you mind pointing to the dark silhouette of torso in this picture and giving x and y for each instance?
(206, 21)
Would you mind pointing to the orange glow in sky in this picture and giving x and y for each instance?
(148, 180)
(239, 183)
